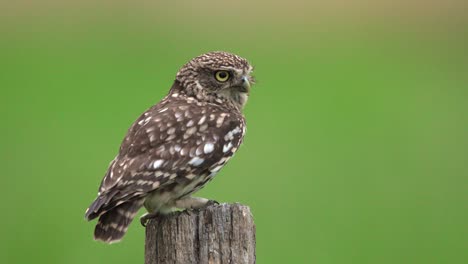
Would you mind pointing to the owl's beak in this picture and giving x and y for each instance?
(245, 84)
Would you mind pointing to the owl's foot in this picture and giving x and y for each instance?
(146, 217)
(211, 202)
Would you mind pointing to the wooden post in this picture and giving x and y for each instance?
(218, 234)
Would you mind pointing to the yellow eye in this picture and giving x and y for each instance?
(222, 76)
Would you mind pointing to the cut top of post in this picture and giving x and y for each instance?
(221, 234)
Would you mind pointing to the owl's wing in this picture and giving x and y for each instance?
(169, 143)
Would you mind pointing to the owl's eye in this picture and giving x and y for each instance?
(222, 76)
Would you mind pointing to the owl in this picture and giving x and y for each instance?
(176, 146)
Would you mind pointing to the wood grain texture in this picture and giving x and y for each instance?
(218, 234)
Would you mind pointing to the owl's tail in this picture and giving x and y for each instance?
(113, 225)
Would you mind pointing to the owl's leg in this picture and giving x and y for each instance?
(194, 203)
(184, 203)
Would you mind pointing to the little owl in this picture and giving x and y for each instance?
(177, 146)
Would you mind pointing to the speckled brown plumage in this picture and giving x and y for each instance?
(177, 146)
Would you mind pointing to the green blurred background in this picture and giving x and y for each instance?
(357, 143)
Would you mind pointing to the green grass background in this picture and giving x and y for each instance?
(357, 142)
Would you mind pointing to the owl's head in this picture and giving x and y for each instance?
(217, 75)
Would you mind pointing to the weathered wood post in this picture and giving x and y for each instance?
(218, 234)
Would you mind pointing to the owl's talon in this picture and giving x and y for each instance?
(212, 202)
(187, 211)
(146, 217)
